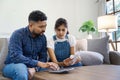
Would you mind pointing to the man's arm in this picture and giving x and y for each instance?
(16, 51)
(43, 54)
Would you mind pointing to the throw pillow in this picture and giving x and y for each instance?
(81, 45)
(90, 58)
(100, 45)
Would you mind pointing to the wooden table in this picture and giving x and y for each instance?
(98, 72)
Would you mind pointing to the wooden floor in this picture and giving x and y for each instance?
(100, 72)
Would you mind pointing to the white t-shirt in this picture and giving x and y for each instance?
(71, 40)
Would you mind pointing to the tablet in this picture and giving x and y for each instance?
(62, 70)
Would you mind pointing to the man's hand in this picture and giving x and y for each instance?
(51, 65)
(31, 73)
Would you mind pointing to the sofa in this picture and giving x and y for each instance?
(113, 57)
(3, 54)
(101, 46)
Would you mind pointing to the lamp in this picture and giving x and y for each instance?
(107, 23)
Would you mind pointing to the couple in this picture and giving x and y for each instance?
(27, 50)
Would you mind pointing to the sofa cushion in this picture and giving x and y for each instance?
(100, 45)
(3, 51)
(81, 45)
(90, 58)
(114, 57)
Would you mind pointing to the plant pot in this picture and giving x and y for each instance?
(89, 36)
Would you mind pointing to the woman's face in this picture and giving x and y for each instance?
(61, 31)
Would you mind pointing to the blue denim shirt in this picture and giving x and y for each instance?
(23, 48)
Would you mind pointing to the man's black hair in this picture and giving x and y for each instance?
(37, 16)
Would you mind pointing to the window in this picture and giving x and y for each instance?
(113, 7)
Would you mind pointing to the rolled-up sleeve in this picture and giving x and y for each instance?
(16, 51)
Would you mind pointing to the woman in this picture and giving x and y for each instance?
(61, 46)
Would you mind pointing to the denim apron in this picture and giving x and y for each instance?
(62, 50)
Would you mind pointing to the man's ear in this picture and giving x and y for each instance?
(31, 23)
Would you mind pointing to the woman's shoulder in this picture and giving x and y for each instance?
(50, 43)
(50, 39)
(70, 36)
(71, 40)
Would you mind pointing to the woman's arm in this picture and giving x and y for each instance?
(53, 57)
(72, 42)
(72, 50)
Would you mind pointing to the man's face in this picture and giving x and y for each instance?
(37, 28)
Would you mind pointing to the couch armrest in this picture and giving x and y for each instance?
(114, 57)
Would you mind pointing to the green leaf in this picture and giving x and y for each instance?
(88, 26)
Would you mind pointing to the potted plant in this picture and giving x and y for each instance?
(88, 26)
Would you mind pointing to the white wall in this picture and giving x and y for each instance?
(85, 10)
(14, 13)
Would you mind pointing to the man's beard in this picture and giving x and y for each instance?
(37, 34)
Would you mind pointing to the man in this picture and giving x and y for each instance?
(27, 51)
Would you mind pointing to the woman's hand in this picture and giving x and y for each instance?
(72, 60)
(67, 62)
(78, 59)
(75, 59)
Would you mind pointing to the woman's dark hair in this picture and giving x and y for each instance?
(37, 16)
(61, 21)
